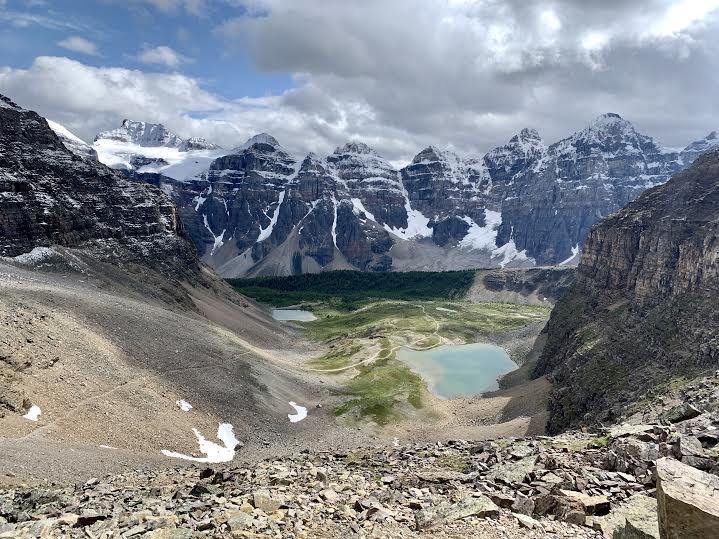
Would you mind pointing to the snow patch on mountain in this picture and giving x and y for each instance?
(573, 258)
(358, 209)
(482, 237)
(218, 240)
(417, 225)
(267, 232)
(509, 253)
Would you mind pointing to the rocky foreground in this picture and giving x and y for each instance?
(573, 485)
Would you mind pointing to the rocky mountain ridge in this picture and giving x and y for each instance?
(50, 196)
(642, 314)
(150, 135)
(258, 210)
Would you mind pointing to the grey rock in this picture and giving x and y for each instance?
(679, 413)
(441, 514)
(688, 501)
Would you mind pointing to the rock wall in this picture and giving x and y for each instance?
(50, 196)
(643, 309)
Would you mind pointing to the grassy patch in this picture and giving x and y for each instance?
(367, 317)
(377, 390)
(337, 358)
(454, 463)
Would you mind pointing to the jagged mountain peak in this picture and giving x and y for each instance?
(354, 147)
(143, 134)
(197, 143)
(696, 148)
(434, 153)
(610, 121)
(529, 136)
(261, 138)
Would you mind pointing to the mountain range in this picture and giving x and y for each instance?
(257, 210)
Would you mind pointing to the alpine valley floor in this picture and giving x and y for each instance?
(108, 359)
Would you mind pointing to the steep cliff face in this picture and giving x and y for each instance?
(50, 196)
(643, 309)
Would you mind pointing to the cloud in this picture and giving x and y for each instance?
(162, 55)
(473, 72)
(79, 44)
(403, 74)
(90, 99)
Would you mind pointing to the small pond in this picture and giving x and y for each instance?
(459, 370)
(296, 315)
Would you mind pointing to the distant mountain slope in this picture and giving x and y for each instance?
(257, 210)
(643, 310)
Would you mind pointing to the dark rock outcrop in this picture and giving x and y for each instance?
(643, 309)
(50, 196)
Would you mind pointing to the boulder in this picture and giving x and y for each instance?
(679, 413)
(687, 501)
(593, 505)
(262, 499)
(636, 509)
(523, 505)
(513, 472)
(448, 512)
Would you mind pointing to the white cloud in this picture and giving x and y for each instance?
(79, 44)
(464, 73)
(162, 55)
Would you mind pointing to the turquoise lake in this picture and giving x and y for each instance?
(459, 370)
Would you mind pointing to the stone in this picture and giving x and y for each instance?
(523, 504)
(513, 472)
(528, 522)
(688, 446)
(635, 528)
(237, 520)
(504, 501)
(443, 476)
(329, 495)
(638, 508)
(545, 504)
(620, 431)
(521, 451)
(687, 501)
(593, 505)
(262, 499)
(681, 412)
(431, 517)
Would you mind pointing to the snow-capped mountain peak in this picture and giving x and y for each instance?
(262, 138)
(358, 148)
(7, 103)
(143, 134)
(197, 143)
(692, 151)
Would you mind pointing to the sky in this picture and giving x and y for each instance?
(397, 74)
